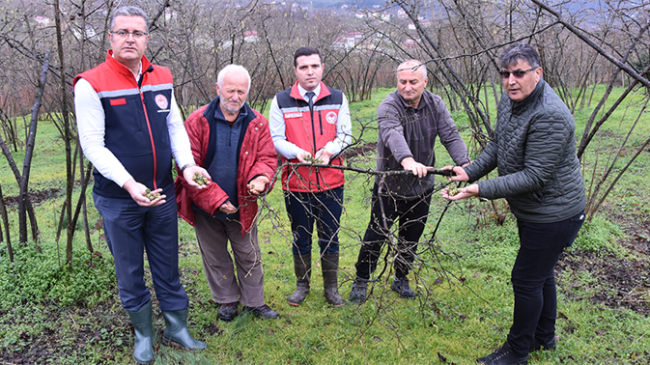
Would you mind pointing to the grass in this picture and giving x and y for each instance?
(464, 310)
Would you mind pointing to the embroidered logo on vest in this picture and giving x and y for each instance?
(161, 101)
(331, 117)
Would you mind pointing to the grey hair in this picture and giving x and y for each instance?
(412, 65)
(130, 11)
(230, 68)
(519, 51)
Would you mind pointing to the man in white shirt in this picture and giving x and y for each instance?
(311, 119)
(129, 125)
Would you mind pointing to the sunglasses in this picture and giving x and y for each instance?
(517, 74)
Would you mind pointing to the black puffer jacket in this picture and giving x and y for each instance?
(534, 151)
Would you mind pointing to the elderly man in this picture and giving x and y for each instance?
(310, 122)
(129, 126)
(409, 121)
(233, 142)
(534, 152)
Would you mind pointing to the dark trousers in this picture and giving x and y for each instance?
(130, 230)
(323, 209)
(413, 216)
(533, 280)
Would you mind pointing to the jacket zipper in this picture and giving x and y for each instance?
(320, 122)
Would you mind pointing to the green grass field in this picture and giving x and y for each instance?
(463, 310)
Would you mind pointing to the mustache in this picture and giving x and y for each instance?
(232, 110)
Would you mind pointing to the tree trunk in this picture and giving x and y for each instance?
(29, 151)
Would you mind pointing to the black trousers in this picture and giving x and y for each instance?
(533, 280)
(412, 215)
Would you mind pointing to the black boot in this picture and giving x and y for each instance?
(176, 333)
(330, 266)
(504, 356)
(143, 346)
(358, 292)
(302, 267)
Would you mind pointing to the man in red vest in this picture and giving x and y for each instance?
(129, 126)
(310, 122)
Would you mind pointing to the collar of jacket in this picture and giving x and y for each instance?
(324, 92)
(425, 99)
(209, 111)
(208, 114)
(120, 68)
(520, 107)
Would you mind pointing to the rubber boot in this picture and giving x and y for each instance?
(302, 267)
(330, 266)
(176, 333)
(143, 345)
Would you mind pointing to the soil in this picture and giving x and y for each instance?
(622, 282)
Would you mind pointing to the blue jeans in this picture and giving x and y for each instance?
(130, 230)
(533, 280)
(323, 209)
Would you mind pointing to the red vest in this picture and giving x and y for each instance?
(311, 132)
(135, 123)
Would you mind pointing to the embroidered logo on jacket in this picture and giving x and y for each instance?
(161, 101)
(331, 117)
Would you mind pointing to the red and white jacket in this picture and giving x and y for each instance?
(257, 156)
(311, 132)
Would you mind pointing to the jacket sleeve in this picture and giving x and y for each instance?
(484, 163)
(449, 136)
(210, 198)
(267, 159)
(546, 139)
(391, 131)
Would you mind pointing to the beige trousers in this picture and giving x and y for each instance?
(213, 236)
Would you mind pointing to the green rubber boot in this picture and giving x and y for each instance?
(176, 333)
(143, 346)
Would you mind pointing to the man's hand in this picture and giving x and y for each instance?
(228, 208)
(302, 155)
(137, 191)
(323, 155)
(257, 185)
(461, 175)
(415, 167)
(466, 192)
(189, 172)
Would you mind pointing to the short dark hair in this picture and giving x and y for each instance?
(130, 11)
(305, 51)
(519, 51)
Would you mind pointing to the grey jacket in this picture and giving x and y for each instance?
(408, 132)
(534, 151)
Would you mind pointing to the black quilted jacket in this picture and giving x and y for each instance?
(534, 151)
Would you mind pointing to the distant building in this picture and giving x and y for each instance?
(250, 36)
(42, 21)
(348, 40)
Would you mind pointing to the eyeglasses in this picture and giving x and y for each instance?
(124, 34)
(517, 74)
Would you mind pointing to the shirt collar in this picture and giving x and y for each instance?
(302, 92)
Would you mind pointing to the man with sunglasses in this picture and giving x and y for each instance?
(534, 152)
(129, 127)
(409, 119)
